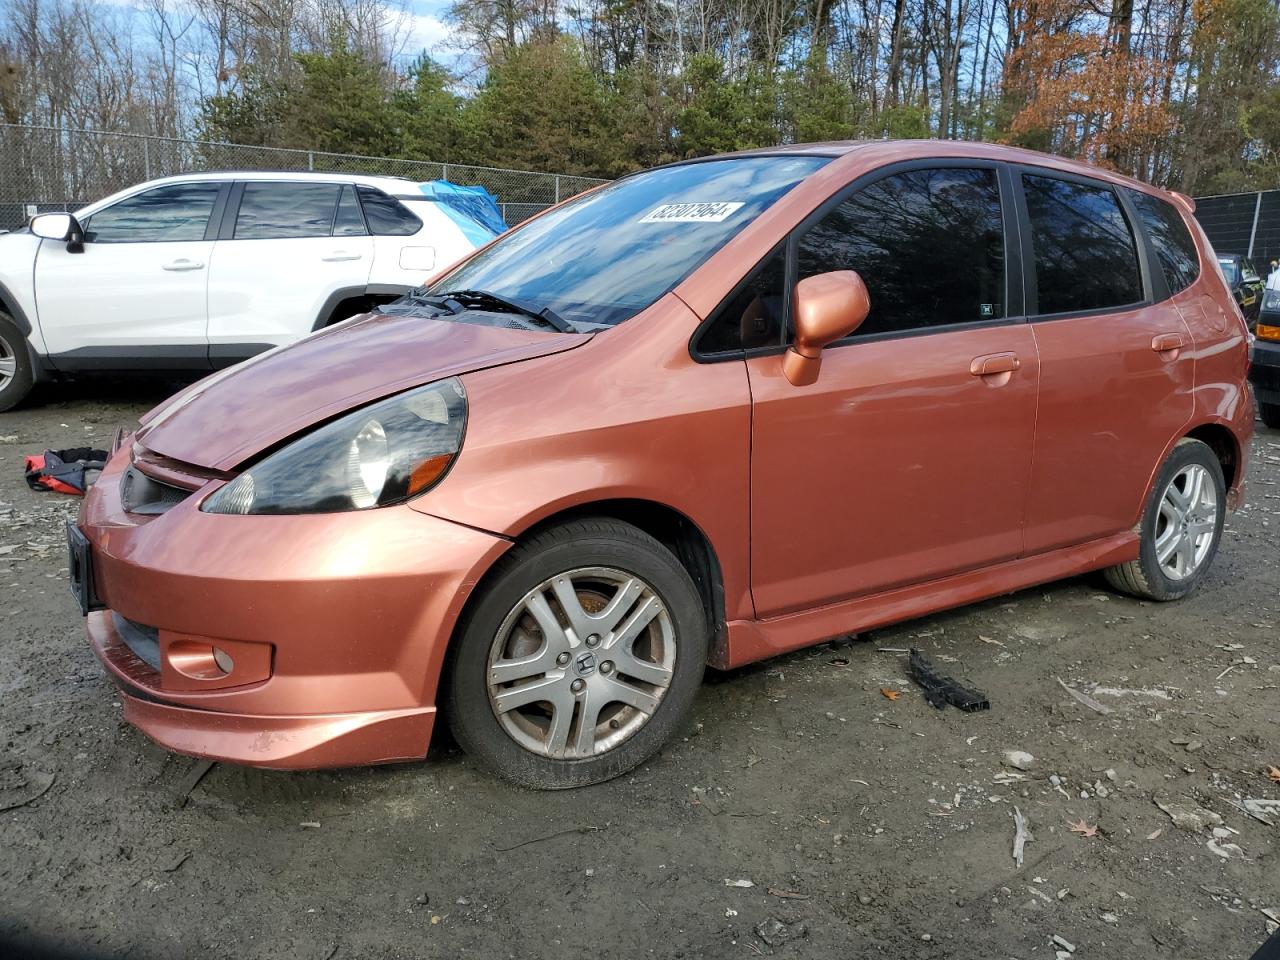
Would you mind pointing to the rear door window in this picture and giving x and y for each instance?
(1174, 247)
(928, 244)
(1084, 252)
(274, 210)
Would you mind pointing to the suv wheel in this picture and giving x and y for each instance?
(580, 659)
(1270, 413)
(15, 364)
(1180, 527)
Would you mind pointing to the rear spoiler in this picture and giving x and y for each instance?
(1187, 203)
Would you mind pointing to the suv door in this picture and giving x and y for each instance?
(1116, 370)
(908, 459)
(287, 253)
(137, 295)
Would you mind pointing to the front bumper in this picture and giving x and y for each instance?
(340, 621)
(1264, 373)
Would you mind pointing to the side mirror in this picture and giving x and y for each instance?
(59, 226)
(828, 306)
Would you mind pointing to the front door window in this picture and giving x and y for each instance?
(178, 211)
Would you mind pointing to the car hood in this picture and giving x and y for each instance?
(234, 415)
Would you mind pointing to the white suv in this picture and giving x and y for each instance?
(199, 271)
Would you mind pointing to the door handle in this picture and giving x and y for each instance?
(177, 266)
(1167, 342)
(340, 255)
(994, 363)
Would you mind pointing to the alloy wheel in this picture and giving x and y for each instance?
(8, 363)
(581, 663)
(1186, 523)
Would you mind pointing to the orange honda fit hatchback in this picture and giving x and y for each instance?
(704, 414)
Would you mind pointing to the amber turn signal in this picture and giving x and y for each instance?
(428, 472)
(1267, 332)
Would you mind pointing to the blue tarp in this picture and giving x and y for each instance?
(473, 209)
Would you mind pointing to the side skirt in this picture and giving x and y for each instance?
(751, 640)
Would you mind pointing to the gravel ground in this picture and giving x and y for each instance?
(804, 812)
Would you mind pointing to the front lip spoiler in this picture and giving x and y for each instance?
(312, 742)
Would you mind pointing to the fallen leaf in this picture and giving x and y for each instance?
(890, 694)
(1155, 834)
(1273, 774)
(1082, 828)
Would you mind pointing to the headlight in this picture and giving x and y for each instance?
(1271, 300)
(379, 455)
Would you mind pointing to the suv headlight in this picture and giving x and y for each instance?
(381, 454)
(1271, 300)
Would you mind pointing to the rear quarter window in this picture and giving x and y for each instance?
(386, 216)
(1174, 247)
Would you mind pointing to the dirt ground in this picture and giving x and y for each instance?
(803, 812)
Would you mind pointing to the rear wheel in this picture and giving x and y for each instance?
(1270, 413)
(15, 364)
(1180, 527)
(581, 658)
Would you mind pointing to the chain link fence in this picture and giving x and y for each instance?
(1245, 223)
(45, 169)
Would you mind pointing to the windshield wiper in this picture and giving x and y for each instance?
(482, 298)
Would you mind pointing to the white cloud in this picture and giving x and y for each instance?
(423, 31)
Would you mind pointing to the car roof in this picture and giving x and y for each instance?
(383, 182)
(892, 151)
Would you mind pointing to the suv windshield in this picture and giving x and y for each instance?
(604, 258)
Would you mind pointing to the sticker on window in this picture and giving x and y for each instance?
(709, 211)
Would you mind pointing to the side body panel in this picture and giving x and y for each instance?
(1222, 394)
(751, 640)
(1109, 407)
(411, 261)
(631, 417)
(899, 465)
(120, 295)
(17, 284)
(272, 291)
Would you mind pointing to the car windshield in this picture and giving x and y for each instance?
(605, 257)
(1228, 267)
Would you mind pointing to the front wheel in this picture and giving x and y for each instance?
(580, 659)
(16, 375)
(1180, 527)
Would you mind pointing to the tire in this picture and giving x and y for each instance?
(16, 376)
(1179, 573)
(518, 626)
(1270, 413)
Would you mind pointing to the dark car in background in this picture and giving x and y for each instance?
(1265, 372)
(1245, 283)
